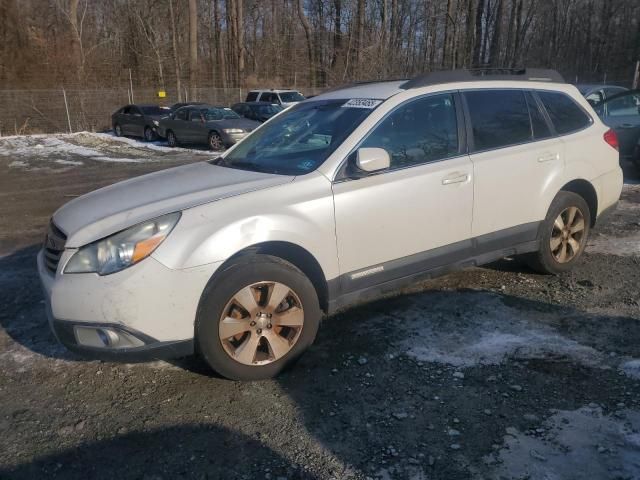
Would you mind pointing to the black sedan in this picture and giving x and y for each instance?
(138, 120)
(215, 126)
(258, 111)
(622, 113)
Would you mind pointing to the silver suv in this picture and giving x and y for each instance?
(283, 97)
(358, 191)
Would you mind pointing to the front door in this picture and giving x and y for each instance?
(417, 214)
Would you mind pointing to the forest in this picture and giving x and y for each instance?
(180, 44)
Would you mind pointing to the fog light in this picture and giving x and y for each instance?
(105, 337)
(108, 337)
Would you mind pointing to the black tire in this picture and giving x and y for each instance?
(544, 260)
(149, 134)
(248, 270)
(117, 130)
(215, 142)
(172, 140)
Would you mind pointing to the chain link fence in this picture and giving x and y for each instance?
(72, 110)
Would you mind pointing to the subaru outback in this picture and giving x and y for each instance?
(335, 201)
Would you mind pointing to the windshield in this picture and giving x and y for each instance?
(156, 110)
(268, 109)
(299, 140)
(291, 97)
(218, 114)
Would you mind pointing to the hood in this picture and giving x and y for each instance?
(100, 213)
(243, 123)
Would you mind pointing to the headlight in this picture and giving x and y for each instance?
(233, 130)
(156, 123)
(122, 249)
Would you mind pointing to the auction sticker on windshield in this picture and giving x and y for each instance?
(362, 103)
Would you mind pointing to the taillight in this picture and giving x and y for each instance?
(612, 139)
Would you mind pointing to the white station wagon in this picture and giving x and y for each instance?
(356, 192)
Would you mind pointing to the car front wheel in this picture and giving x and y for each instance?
(256, 318)
(215, 142)
(563, 236)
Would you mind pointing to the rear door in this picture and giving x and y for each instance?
(622, 114)
(179, 124)
(198, 130)
(136, 122)
(514, 155)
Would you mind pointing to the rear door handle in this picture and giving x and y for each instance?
(456, 177)
(547, 157)
(628, 125)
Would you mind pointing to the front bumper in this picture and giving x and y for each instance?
(230, 139)
(149, 309)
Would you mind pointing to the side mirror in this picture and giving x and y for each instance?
(372, 159)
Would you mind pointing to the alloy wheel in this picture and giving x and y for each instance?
(148, 134)
(171, 139)
(567, 235)
(261, 323)
(215, 142)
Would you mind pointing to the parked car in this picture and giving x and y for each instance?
(216, 126)
(360, 191)
(138, 120)
(258, 111)
(596, 94)
(178, 105)
(622, 113)
(282, 97)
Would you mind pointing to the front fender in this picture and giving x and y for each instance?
(300, 212)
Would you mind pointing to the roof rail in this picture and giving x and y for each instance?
(364, 82)
(478, 74)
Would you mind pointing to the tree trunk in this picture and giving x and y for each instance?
(193, 48)
(240, 42)
(174, 45)
(307, 32)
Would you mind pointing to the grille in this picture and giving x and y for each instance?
(53, 247)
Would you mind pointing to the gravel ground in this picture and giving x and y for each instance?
(490, 373)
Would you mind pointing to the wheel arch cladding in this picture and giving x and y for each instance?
(292, 253)
(587, 191)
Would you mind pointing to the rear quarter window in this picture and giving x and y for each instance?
(252, 96)
(566, 115)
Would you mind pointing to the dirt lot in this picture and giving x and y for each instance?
(489, 373)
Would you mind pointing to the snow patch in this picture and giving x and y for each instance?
(631, 368)
(575, 444)
(481, 330)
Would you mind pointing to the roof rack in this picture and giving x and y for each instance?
(478, 74)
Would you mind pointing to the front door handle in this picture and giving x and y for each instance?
(547, 157)
(456, 177)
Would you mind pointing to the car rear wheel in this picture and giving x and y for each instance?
(172, 141)
(563, 235)
(117, 129)
(149, 135)
(215, 142)
(256, 318)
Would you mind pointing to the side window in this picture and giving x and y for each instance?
(539, 126)
(611, 91)
(595, 98)
(565, 114)
(135, 111)
(270, 97)
(126, 110)
(499, 118)
(626, 105)
(195, 116)
(181, 114)
(252, 96)
(421, 131)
